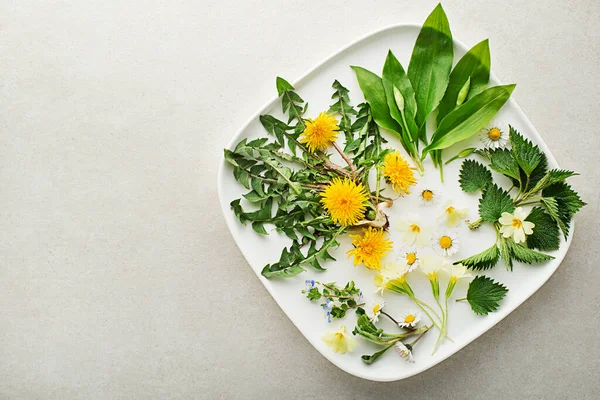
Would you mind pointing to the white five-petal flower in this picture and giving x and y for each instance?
(493, 137)
(453, 215)
(340, 341)
(515, 225)
(414, 232)
(445, 243)
(409, 320)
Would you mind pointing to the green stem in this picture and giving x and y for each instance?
(461, 299)
(390, 317)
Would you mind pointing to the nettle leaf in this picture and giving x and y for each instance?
(505, 253)
(527, 154)
(566, 202)
(553, 176)
(494, 202)
(474, 176)
(474, 68)
(481, 261)
(538, 173)
(484, 294)
(430, 63)
(503, 161)
(525, 255)
(546, 235)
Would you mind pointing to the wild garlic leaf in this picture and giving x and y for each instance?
(525, 255)
(394, 72)
(527, 154)
(430, 63)
(474, 176)
(374, 93)
(481, 261)
(473, 67)
(503, 161)
(468, 119)
(546, 235)
(484, 294)
(494, 202)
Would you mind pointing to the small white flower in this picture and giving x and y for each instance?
(375, 310)
(445, 243)
(414, 232)
(453, 215)
(403, 351)
(409, 259)
(409, 320)
(459, 271)
(428, 195)
(493, 137)
(515, 225)
(432, 265)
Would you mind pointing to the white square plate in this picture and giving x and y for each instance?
(464, 326)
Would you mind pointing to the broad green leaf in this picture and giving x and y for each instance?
(494, 202)
(484, 295)
(473, 67)
(503, 161)
(474, 176)
(430, 63)
(525, 255)
(527, 154)
(484, 260)
(545, 236)
(553, 176)
(374, 92)
(468, 119)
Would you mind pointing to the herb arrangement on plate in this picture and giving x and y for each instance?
(316, 179)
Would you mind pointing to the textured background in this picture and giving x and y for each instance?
(118, 277)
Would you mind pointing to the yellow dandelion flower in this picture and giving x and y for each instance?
(398, 173)
(320, 133)
(345, 201)
(370, 248)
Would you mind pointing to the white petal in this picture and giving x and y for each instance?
(528, 227)
(519, 236)
(506, 218)
(507, 230)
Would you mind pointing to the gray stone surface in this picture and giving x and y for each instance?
(118, 277)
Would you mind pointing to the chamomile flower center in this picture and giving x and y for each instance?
(517, 223)
(445, 242)
(411, 258)
(415, 228)
(409, 318)
(494, 134)
(376, 308)
(427, 194)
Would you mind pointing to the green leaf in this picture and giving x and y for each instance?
(505, 253)
(374, 92)
(528, 155)
(282, 85)
(525, 255)
(494, 202)
(430, 63)
(545, 234)
(551, 206)
(474, 176)
(259, 228)
(553, 176)
(473, 67)
(484, 294)
(313, 294)
(566, 203)
(394, 72)
(344, 109)
(370, 359)
(468, 119)
(484, 260)
(287, 272)
(503, 161)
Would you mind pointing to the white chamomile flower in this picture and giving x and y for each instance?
(375, 310)
(433, 265)
(409, 259)
(403, 351)
(493, 137)
(428, 195)
(515, 225)
(453, 215)
(445, 243)
(458, 271)
(409, 320)
(414, 232)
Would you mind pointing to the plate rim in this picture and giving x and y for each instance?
(493, 318)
